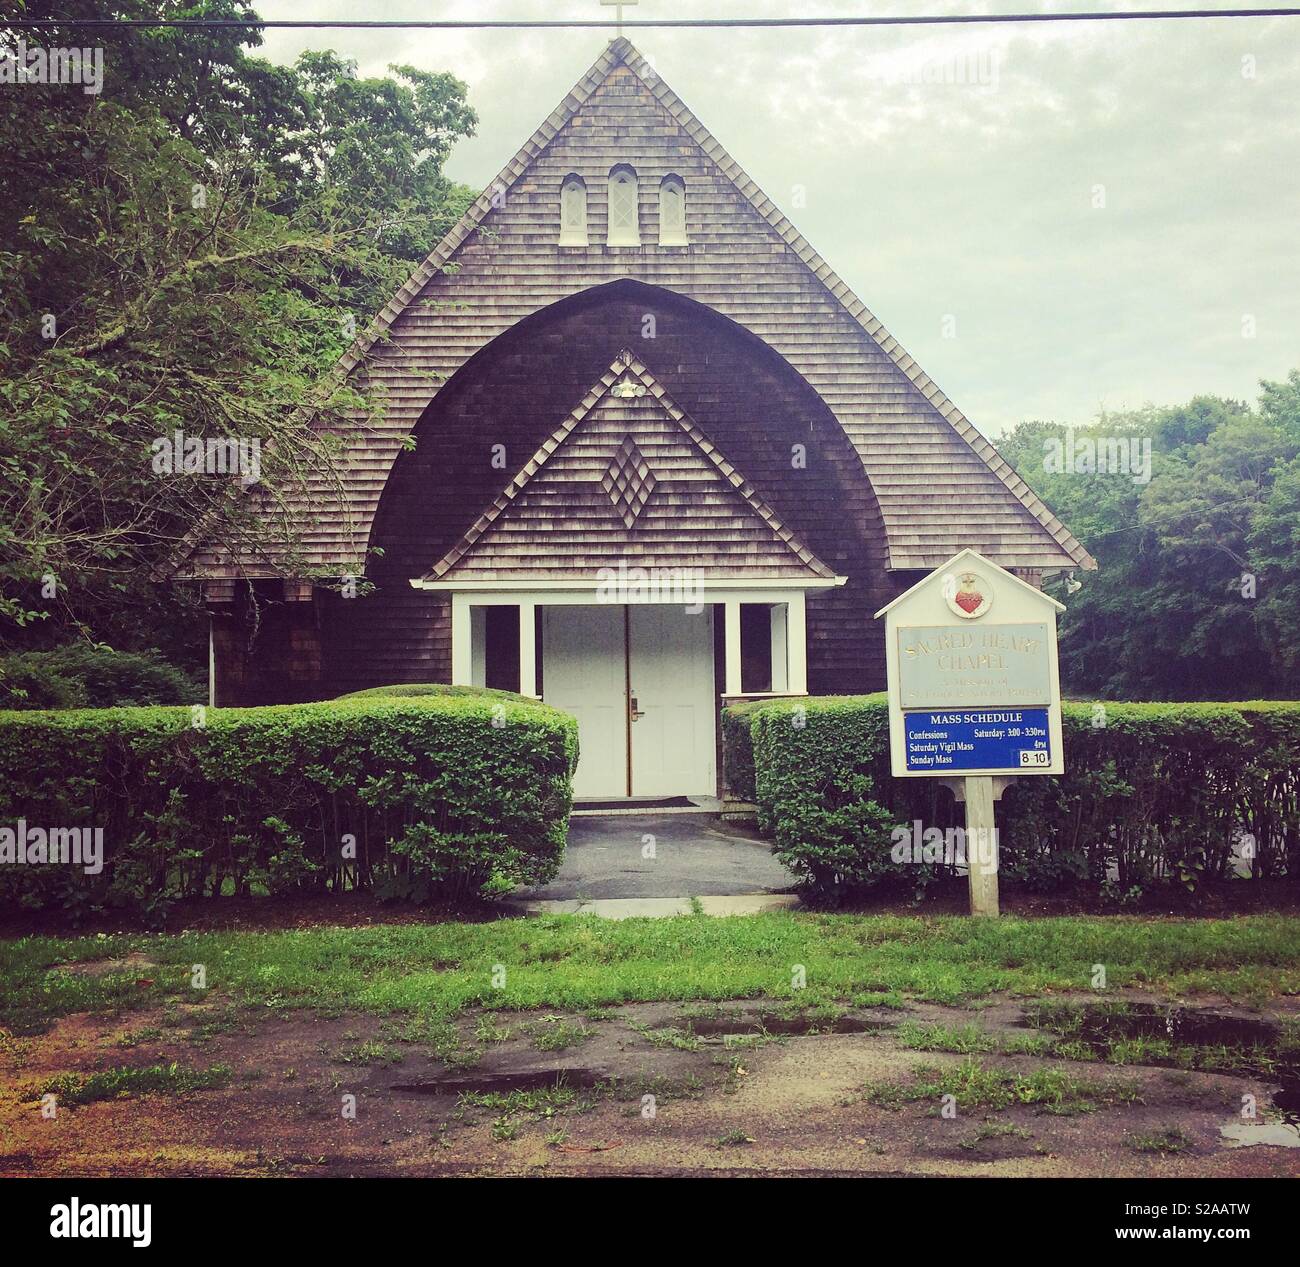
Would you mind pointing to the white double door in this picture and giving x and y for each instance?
(639, 679)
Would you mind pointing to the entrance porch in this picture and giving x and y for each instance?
(632, 576)
(646, 679)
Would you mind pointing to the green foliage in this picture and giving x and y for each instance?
(374, 148)
(191, 249)
(815, 796)
(963, 1039)
(29, 681)
(1274, 547)
(417, 975)
(1170, 1139)
(416, 690)
(436, 797)
(81, 675)
(127, 1080)
(1198, 586)
(738, 749)
(1160, 794)
(553, 1033)
(975, 1085)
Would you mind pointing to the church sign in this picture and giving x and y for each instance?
(953, 667)
(972, 672)
(974, 693)
(986, 739)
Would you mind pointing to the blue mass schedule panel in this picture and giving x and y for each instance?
(1007, 739)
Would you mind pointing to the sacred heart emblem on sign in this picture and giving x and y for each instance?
(968, 593)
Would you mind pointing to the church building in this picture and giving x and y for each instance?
(641, 452)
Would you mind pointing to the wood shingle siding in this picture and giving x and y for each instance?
(513, 396)
(834, 452)
(627, 481)
(744, 260)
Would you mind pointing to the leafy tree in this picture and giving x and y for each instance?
(1194, 583)
(375, 145)
(190, 250)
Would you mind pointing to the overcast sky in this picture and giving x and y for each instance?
(1097, 218)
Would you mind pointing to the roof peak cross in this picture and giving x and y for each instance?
(617, 6)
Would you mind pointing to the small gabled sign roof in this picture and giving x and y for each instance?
(720, 478)
(971, 556)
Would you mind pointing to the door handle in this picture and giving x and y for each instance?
(633, 712)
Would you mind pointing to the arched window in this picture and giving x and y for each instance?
(672, 211)
(624, 218)
(573, 211)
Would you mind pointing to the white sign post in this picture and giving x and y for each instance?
(974, 694)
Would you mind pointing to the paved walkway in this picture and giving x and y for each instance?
(662, 907)
(653, 864)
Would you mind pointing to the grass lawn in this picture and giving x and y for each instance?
(577, 962)
(782, 1043)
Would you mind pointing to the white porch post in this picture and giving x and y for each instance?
(797, 645)
(527, 648)
(478, 645)
(732, 607)
(780, 644)
(462, 653)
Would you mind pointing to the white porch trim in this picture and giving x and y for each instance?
(797, 640)
(557, 590)
(789, 645)
(732, 610)
(527, 648)
(462, 645)
(212, 661)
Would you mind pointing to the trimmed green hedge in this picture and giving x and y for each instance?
(1154, 793)
(738, 749)
(415, 798)
(417, 690)
(84, 676)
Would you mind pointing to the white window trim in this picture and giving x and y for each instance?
(672, 235)
(575, 235)
(623, 234)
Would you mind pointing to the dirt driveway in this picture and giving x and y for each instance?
(664, 1088)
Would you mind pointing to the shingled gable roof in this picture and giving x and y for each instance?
(753, 543)
(621, 51)
(939, 483)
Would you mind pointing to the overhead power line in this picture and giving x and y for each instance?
(435, 24)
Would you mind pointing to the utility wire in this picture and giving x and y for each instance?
(963, 19)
